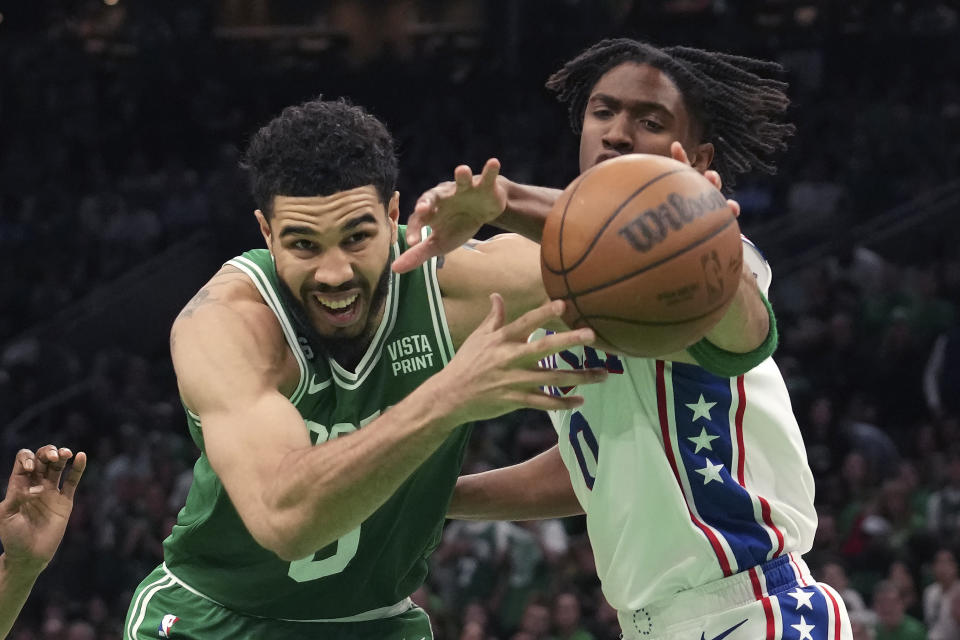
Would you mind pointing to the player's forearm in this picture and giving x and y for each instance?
(323, 492)
(746, 323)
(527, 208)
(16, 581)
(532, 490)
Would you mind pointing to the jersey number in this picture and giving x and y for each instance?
(585, 447)
(310, 568)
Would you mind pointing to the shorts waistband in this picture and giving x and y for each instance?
(753, 584)
(374, 614)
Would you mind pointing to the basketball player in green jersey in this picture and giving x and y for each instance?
(328, 396)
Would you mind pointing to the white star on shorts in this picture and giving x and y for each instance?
(804, 629)
(802, 598)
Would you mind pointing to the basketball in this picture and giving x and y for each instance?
(645, 251)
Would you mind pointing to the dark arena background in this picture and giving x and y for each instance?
(120, 193)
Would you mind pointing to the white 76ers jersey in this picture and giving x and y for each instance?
(685, 477)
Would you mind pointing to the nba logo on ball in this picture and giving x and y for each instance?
(166, 624)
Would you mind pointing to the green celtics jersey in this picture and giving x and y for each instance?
(383, 560)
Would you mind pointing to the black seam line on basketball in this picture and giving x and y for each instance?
(563, 219)
(596, 237)
(652, 323)
(573, 294)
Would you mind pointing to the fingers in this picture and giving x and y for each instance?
(678, 153)
(523, 326)
(556, 342)
(24, 464)
(490, 172)
(73, 476)
(494, 319)
(714, 179)
(415, 224)
(735, 207)
(547, 402)
(415, 256)
(42, 458)
(463, 176)
(56, 462)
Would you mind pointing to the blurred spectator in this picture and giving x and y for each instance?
(937, 598)
(943, 508)
(941, 377)
(535, 622)
(566, 618)
(892, 622)
(835, 575)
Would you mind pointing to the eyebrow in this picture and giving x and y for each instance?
(639, 105)
(366, 218)
(302, 230)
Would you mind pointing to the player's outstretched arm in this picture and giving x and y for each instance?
(535, 489)
(456, 210)
(295, 498)
(33, 518)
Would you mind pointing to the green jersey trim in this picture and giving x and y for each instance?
(374, 614)
(351, 380)
(437, 312)
(259, 278)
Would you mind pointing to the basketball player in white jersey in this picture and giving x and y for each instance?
(690, 468)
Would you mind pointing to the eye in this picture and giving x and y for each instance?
(652, 125)
(602, 113)
(356, 238)
(302, 245)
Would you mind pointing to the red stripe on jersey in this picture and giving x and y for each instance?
(668, 447)
(764, 505)
(799, 573)
(836, 613)
(767, 607)
(741, 407)
(767, 520)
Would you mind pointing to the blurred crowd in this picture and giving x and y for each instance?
(120, 137)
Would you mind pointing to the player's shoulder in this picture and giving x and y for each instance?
(229, 298)
(758, 264)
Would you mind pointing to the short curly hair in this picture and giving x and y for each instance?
(319, 148)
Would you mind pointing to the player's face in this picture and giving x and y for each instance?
(333, 254)
(636, 108)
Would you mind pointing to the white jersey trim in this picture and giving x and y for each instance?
(374, 614)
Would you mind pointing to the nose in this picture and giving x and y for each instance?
(333, 268)
(618, 134)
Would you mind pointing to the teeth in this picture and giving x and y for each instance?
(337, 304)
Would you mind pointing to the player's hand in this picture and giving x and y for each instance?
(496, 370)
(35, 511)
(677, 153)
(455, 211)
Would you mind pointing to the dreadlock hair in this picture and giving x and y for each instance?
(737, 101)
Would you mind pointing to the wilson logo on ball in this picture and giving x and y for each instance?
(651, 227)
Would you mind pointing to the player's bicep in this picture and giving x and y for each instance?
(229, 365)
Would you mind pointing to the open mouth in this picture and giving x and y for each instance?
(339, 310)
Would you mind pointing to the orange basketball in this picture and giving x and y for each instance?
(646, 251)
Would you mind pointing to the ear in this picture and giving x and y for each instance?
(393, 215)
(702, 156)
(264, 227)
